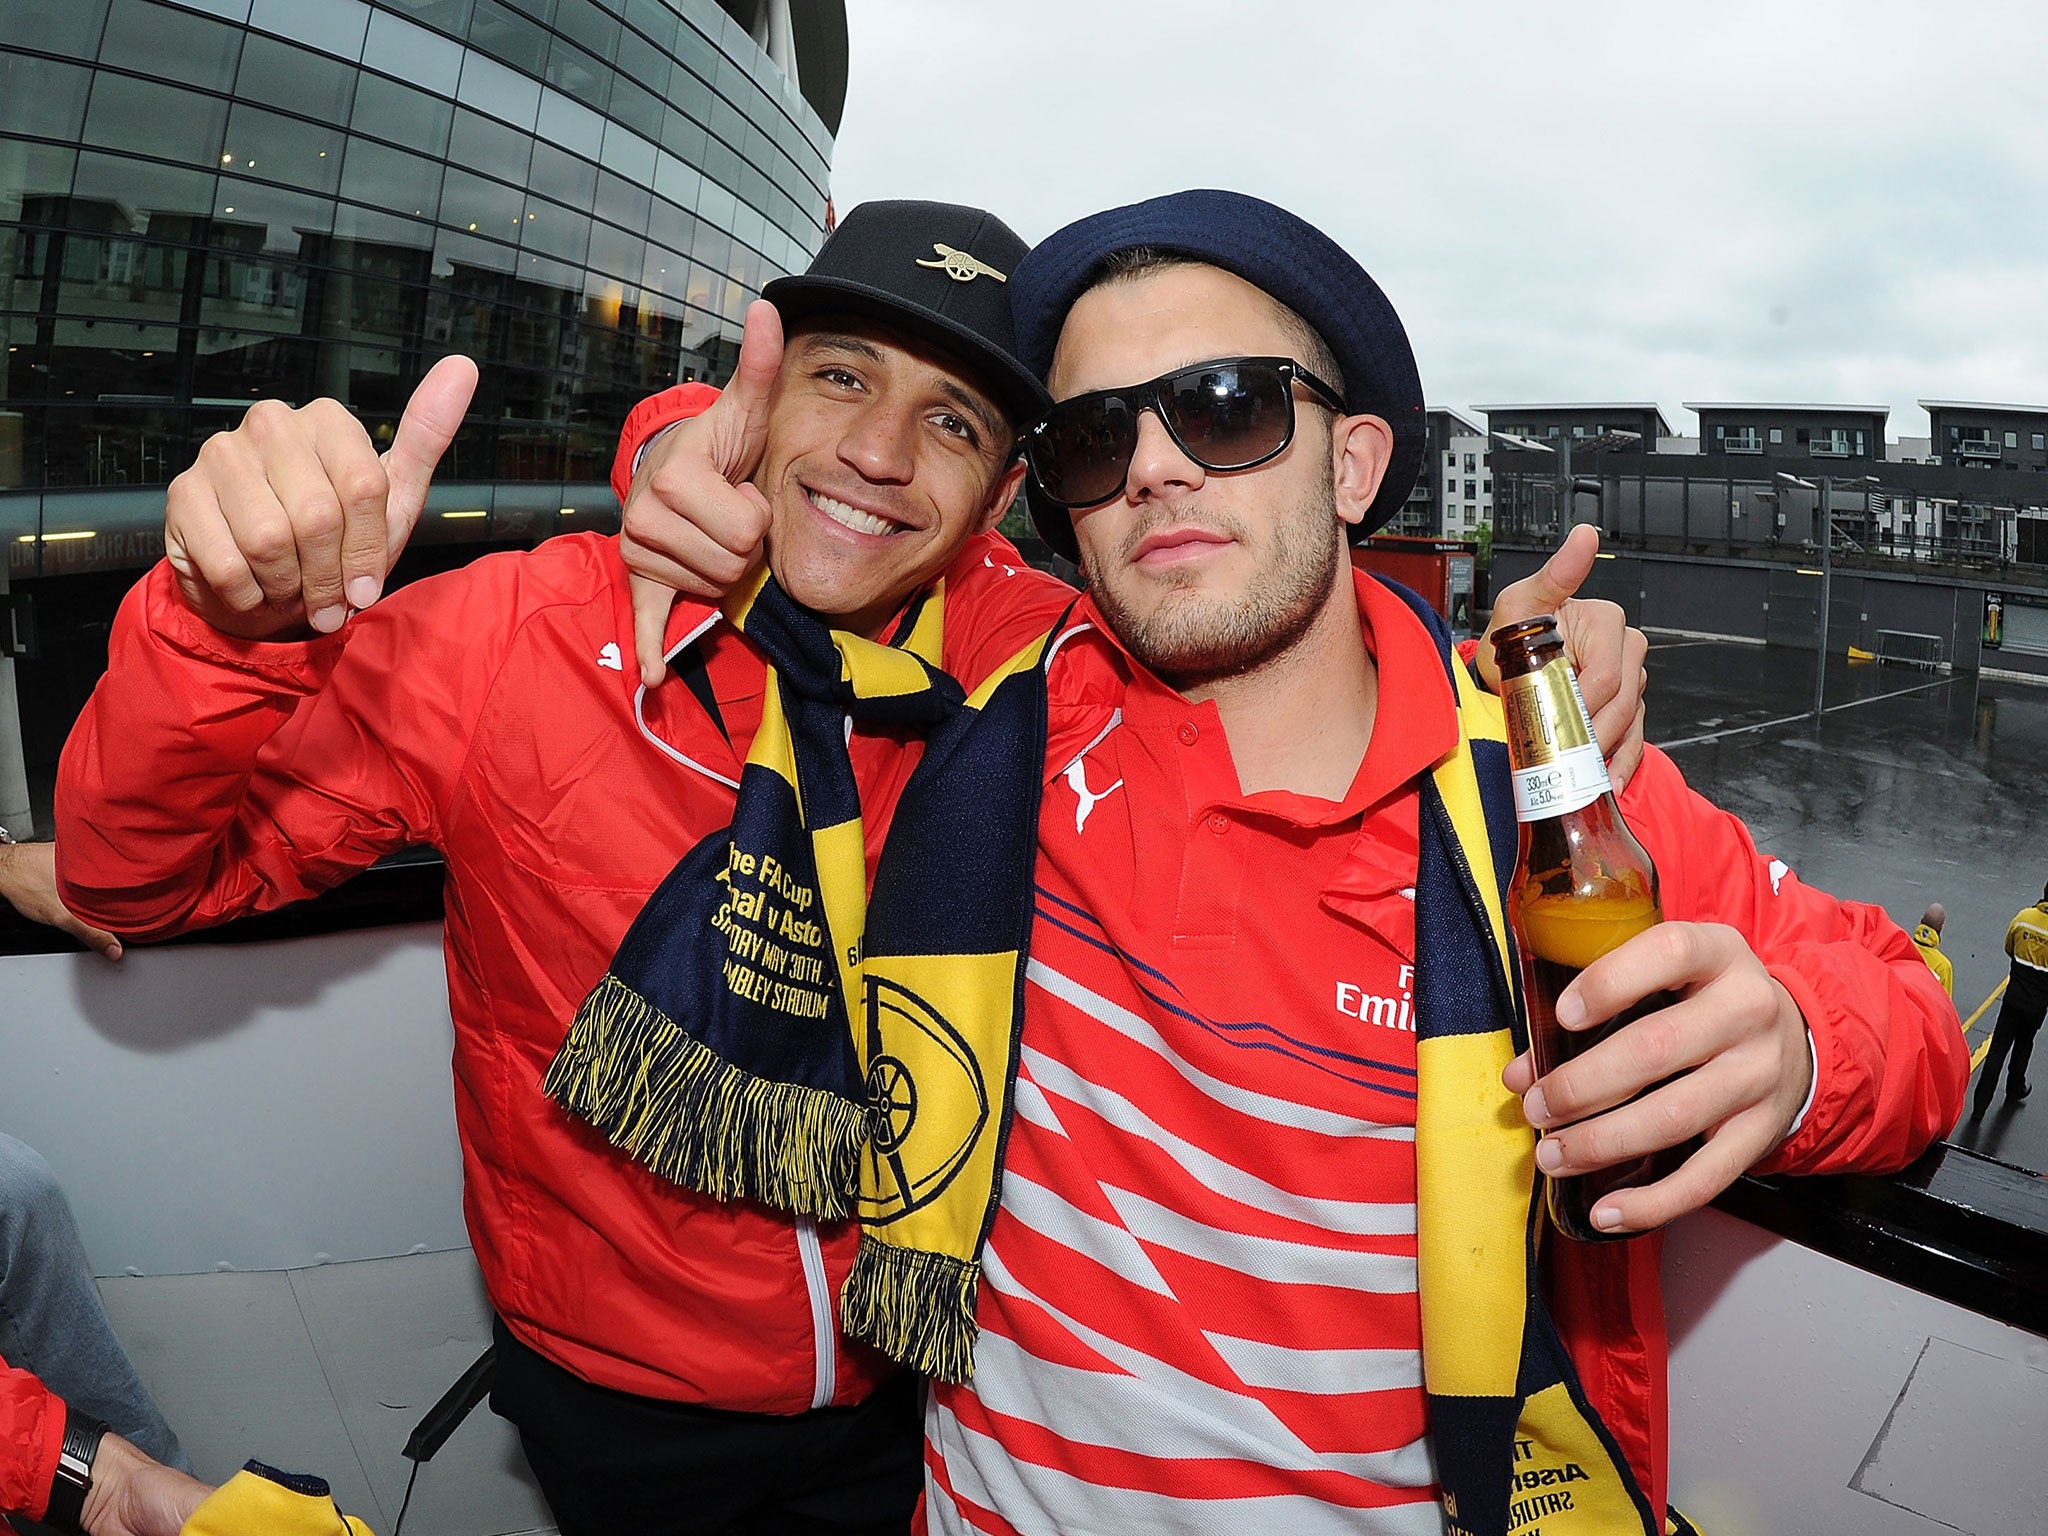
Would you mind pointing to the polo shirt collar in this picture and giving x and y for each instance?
(1414, 727)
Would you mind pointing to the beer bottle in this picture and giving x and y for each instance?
(1582, 885)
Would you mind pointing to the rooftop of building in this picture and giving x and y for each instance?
(1982, 405)
(1772, 405)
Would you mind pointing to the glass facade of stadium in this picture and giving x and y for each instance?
(207, 202)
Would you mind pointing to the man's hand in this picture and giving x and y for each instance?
(692, 523)
(1606, 653)
(28, 883)
(294, 518)
(1734, 1034)
(135, 1496)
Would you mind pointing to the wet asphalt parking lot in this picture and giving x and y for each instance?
(1911, 786)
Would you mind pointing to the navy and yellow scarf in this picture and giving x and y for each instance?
(1517, 1443)
(765, 1032)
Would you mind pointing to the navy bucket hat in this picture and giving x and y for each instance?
(1269, 248)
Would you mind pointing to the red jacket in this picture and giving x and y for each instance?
(492, 713)
(31, 1432)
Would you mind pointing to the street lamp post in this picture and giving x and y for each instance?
(1824, 518)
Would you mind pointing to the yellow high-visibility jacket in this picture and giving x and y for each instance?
(2027, 939)
(1928, 942)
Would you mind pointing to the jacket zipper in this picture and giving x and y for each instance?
(824, 1335)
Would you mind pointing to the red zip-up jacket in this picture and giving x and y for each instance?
(494, 713)
(31, 1433)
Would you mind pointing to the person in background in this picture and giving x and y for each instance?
(28, 883)
(1927, 939)
(64, 1380)
(2019, 1019)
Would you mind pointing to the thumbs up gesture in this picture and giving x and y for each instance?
(692, 524)
(1606, 653)
(293, 519)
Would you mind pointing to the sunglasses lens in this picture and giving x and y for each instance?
(1084, 448)
(1230, 415)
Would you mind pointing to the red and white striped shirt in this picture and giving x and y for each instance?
(1198, 1307)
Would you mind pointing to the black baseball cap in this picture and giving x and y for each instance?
(940, 272)
(1271, 249)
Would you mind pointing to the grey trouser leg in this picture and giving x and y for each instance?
(51, 1320)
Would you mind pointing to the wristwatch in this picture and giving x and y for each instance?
(66, 1509)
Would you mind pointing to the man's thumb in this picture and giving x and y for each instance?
(742, 408)
(651, 604)
(1561, 576)
(432, 418)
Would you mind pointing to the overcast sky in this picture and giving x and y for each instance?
(1566, 200)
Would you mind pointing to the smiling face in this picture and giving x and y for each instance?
(1202, 574)
(883, 459)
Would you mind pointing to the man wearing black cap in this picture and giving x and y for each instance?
(272, 722)
(1264, 1256)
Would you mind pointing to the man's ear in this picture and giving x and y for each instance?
(999, 499)
(1360, 449)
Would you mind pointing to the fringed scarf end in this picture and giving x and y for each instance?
(914, 1305)
(686, 1114)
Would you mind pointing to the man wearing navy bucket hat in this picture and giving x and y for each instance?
(1266, 1255)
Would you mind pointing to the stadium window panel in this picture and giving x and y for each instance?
(332, 26)
(391, 179)
(656, 20)
(562, 176)
(626, 203)
(571, 124)
(148, 192)
(370, 238)
(170, 44)
(72, 29)
(35, 183)
(577, 74)
(670, 226)
(477, 205)
(616, 254)
(466, 262)
(552, 230)
(504, 34)
(644, 63)
(628, 154)
(273, 218)
(279, 148)
(638, 108)
(479, 143)
(310, 84)
(448, 15)
(402, 115)
(413, 53)
(143, 117)
(42, 96)
(505, 93)
(594, 28)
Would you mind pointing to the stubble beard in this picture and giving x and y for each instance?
(1191, 639)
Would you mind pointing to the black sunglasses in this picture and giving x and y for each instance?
(1233, 413)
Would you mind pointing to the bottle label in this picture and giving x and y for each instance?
(1557, 763)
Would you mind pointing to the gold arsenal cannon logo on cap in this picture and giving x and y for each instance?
(960, 266)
